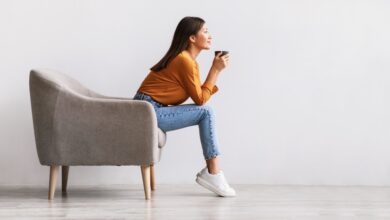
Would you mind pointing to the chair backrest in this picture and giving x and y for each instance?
(45, 86)
(61, 80)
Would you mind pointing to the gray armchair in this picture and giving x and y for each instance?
(75, 126)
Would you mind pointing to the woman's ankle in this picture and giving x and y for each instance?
(212, 165)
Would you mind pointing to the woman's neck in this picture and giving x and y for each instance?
(193, 51)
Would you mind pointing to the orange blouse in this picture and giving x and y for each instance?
(178, 81)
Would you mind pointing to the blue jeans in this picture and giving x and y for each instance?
(171, 118)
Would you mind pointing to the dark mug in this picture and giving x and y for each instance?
(224, 52)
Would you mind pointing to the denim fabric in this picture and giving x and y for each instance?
(171, 118)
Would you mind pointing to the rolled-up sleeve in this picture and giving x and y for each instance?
(190, 79)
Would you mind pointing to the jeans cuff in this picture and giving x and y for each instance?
(212, 156)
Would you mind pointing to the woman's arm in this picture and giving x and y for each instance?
(219, 63)
(190, 79)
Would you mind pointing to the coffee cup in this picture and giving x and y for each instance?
(224, 52)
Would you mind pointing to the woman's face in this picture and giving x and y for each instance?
(202, 39)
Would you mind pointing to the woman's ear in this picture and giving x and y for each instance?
(192, 38)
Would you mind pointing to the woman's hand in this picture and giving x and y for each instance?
(220, 62)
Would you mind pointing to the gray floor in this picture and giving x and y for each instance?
(193, 202)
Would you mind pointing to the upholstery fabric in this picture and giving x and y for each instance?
(74, 125)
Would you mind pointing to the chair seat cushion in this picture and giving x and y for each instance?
(162, 138)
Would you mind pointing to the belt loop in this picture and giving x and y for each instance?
(141, 95)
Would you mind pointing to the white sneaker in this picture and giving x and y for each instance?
(215, 182)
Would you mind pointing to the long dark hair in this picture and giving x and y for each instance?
(187, 26)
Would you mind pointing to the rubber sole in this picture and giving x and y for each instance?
(208, 186)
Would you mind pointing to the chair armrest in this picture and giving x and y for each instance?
(104, 131)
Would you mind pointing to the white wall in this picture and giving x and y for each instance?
(305, 99)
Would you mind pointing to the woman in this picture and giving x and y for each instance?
(173, 80)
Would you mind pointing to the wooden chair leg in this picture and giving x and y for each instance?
(53, 180)
(65, 172)
(145, 170)
(152, 178)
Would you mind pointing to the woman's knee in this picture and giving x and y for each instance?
(208, 110)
